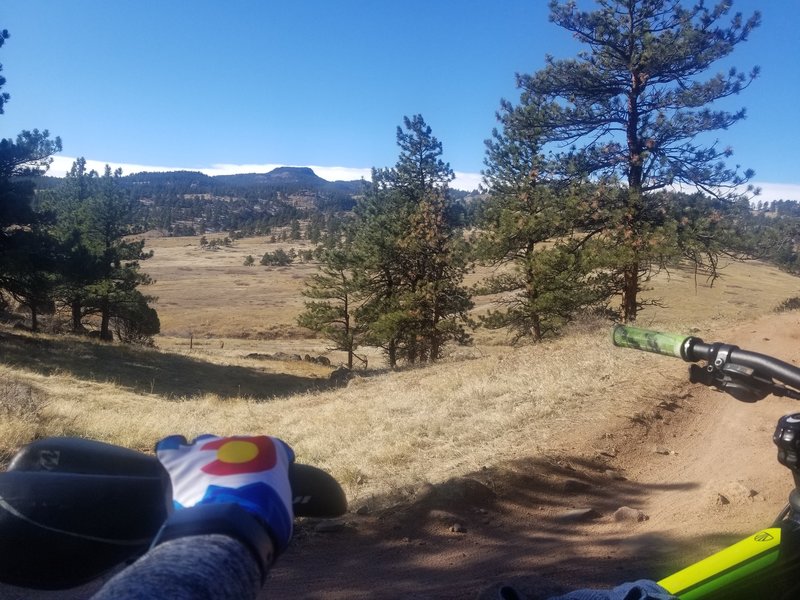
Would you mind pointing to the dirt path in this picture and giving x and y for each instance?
(699, 465)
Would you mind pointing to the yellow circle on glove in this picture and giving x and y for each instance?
(237, 451)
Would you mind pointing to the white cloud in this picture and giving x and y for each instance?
(777, 191)
(62, 164)
(466, 181)
(342, 173)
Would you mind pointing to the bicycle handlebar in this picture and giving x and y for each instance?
(668, 344)
(747, 375)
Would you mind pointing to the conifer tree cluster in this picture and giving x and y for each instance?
(397, 282)
(99, 273)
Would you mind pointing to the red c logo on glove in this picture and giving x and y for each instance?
(239, 455)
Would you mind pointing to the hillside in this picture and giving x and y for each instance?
(179, 203)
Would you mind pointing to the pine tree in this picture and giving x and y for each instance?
(333, 301)
(635, 105)
(115, 288)
(78, 267)
(540, 235)
(410, 253)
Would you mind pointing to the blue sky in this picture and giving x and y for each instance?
(247, 85)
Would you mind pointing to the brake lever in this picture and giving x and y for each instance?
(743, 383)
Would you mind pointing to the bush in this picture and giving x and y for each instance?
(792, 303)
(136, 323)
(279, 258)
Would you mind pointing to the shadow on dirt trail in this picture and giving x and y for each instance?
(147, 371)
(543, 525)
(513, 525)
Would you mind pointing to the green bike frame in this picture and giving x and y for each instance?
(739, 571)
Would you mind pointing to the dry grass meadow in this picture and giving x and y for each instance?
(385, 433)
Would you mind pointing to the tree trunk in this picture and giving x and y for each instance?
(537, 327)
(34, 318)
(630, 272)
(76, 316)
(392, 352)
(630, 291)
(435, 348)
(105, 318)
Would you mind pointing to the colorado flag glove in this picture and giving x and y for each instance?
(250, 472)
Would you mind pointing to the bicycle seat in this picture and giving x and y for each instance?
(71, 509)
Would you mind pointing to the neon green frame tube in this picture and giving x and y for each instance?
(733, 564)
(668, 344)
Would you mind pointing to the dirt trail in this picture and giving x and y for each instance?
(699, 464)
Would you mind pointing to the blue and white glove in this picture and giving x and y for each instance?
(212, 475)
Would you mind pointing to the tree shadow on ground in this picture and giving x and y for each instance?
(145, 370)
(514, 532)
(517, 524)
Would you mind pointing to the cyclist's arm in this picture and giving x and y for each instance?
(213, 567)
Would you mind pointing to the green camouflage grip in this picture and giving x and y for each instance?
(668, 344)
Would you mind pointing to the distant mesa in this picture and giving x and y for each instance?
(303, 176)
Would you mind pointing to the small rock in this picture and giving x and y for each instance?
(626, 513)
(458, 528)
(662, 450)
(330, 526)
(442, 515)
(615, 475)
(723, 500)
(578, 514)
(340, 376)
(610, 453)
(362, 510)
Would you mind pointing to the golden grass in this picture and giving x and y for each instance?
(386, 432)
(205, 292)
(383, 434)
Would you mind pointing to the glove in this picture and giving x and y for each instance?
(249, 472)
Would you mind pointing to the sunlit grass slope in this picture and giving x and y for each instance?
(385, 432)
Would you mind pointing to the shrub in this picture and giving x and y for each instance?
(279, 258)
(792, 303)
(136, 323)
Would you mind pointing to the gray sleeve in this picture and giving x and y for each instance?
(212, 567)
